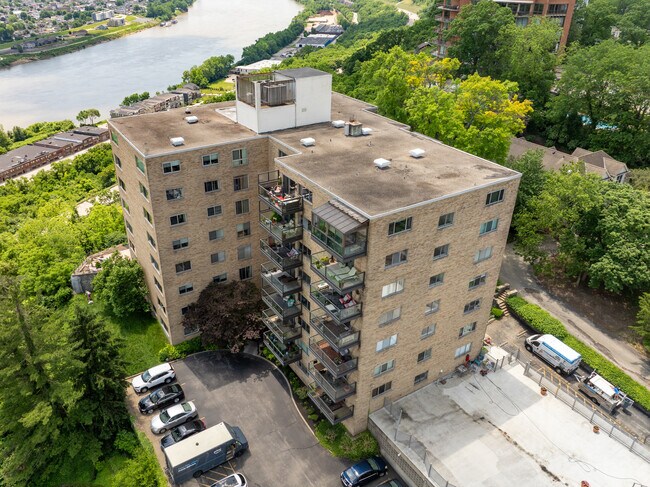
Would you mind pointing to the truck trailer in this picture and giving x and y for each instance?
(563, 358)
(203, 451)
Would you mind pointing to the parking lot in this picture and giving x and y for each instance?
(248, 392)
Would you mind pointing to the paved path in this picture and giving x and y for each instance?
(411, 15)
(520, 276)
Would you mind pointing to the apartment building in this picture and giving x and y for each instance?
(524, 10)
(376, 249)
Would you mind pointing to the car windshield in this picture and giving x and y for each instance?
(157, 396)
(164, 416)
(373, 463)
(178, 433)
(230, 482)
(146, 376)
(187, 407)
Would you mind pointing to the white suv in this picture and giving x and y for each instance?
(155, 376)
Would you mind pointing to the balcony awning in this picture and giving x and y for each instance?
(340, 217)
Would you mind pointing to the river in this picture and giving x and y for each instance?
(102, 75)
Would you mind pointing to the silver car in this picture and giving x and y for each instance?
(155, 376)
(173, 416)
(234, 480)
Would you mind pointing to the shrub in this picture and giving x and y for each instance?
(536, 317)
(497, 313)
(188, 347)
(313, 417)
(341, 444)
(168, 352)
(127, 442)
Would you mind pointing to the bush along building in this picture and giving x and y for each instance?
(376, 249)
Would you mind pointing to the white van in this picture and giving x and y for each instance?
(563, 358)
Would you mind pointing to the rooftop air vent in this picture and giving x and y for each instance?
(366, 131)
(417, 153)
(192, 119)
(353, 129)
(382, 163)
(187, 110)
(177, 141)
(339, 124)
(308, 141)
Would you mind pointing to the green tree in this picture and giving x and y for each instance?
(141, 470)
(478, 41)
(88, 116)
(643, 319)
(121, 288)
(18, 134)
(640, 178)
(533, 176)
(5, 141)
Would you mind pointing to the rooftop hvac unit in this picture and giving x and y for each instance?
(177, 141)
(353, 129)
(308, 141)
(417, 153)
(192, 119)
(275, 94)
(382, 163)
(366, 131)
(339, 124)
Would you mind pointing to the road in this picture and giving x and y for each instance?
(412, 16)
(520, 276)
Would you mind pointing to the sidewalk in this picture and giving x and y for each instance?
(519, 275)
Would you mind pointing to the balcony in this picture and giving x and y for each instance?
(284, 308)
(282, 231)
(286, 354)
(340, 336)
(283, 282)
(282, 198)
(343, 278)
(340, 230)
(284, 256)
(341, 307)
(336, 389)
(335, 412)
(337, 364)
(453, 8)
(285, 332)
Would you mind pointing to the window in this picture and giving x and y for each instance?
(396, 258)
(190, 328)
(467, 329)
(483, 254)
(390, 316)
(244, 252)
(432, 307)
(385, 367)
(400, 226)
(125, 205)
(154, 263)
(305, 302)
(557, 8)
(305, 326)
(147, 216)
(186, 288)
(215, 234)
(489, 226)
(165, 327)
(121, 183)
(425, 355)
(157, 284)
(114, 138)
(174, 194)
(128, 226)
(437, 280)
(441, 252)
(538, 9)
(245, 273)
(214, 210)
(427, 331)
(386, 343)
(460, 351)
(211, 186)
(185, 310)
(421, 377)
(161, 305)
(446, 220)
(178, 219)
(151, 241)
(494, 197)
(183, 266)
(211, 159)
(281, 153)
(472, 306)
(239, 157)
(240, 183)
(170, 167)
(118, 162)
(220, 278)
(181, 243)
(218, 257)
(131, 244)
(392, 288)
(144, 191)
(378, 391)
(243, 229)
(477, 281)
(241, 207)
(139, 164)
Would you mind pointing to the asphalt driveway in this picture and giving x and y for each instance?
(248, 392)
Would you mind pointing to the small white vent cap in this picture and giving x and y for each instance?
(417, 153)
(339, 124)
(176, 141)
(366, 131)
(192, 119)
(308, 141)
(382, 163)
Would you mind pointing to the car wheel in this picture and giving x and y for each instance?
(162, 430)
(177, 399)
(381, 474)
(558, 370)
(528, 347)
(148, 411)
(168, 380)
(197, 474)
(594, 400)
(143, 390)
(239, 453)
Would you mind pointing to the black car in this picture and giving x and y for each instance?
(162, 397)
(364, 472)
(181, 432)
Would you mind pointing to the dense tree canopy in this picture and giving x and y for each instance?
(212, 69)
(121, 288)
(594, 21)
(533, 176)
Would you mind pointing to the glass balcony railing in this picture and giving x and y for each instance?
(343, 278)
(280, 280)
(336, 389)
(335, 412)
(337, 364)
(340, 336)
(286, 354)
(284, 307)
(344, 247)
(282, 231)
(285, 332)
(285, 256)
(341, 307)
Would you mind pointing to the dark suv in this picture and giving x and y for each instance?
(181, 432)
(161, 398)
(364, 472)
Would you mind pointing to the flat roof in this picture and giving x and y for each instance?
(302, 72)
(201, 442)
(26, 153)
(498, 430)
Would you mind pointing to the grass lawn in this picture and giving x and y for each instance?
(218, 87)
(410, 6)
